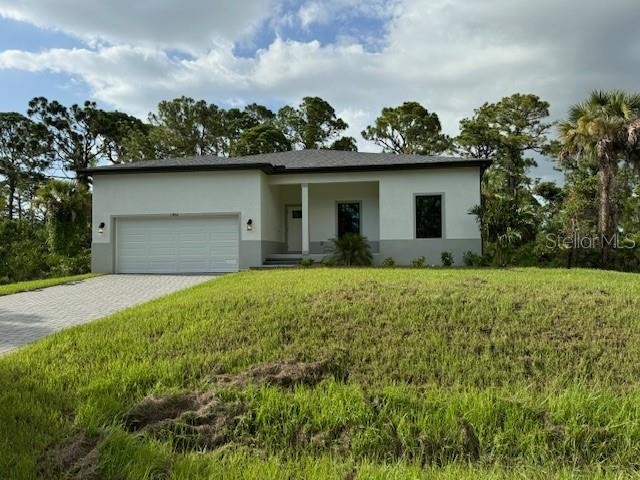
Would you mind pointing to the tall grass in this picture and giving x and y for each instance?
(11, 288)
(542, 364)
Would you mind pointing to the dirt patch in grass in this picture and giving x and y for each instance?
(155, 408)
(474, 282)
(204, 421)
(76, 458)
(193, 421)
(286, 374)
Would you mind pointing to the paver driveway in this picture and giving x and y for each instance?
(29, 316)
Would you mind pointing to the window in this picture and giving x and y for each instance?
(428, 216)
(348, 218)
(296, 213)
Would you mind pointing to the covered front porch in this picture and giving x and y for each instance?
(304, 217)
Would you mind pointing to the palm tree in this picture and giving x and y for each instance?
(350, 249)
(67, 206)
(603, 130)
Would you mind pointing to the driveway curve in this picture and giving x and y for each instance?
(29, 316)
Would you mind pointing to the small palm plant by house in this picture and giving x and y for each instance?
(350, 249)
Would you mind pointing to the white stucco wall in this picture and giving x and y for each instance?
(387, 206)
(323, 200)
(290, 194)
(460, 187)
(322, 207)
(180, 192)
(461, 191)
(271, 211)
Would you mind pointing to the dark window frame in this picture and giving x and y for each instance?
(337, 210)
(416, 196)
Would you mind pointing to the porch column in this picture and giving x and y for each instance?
(305, 218)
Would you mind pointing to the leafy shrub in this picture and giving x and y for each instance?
(23, 251)
(306, 262)
(389, 262)
(628, 258)
(350, 249)
(63, 266)
(25, 254)
(69, 216)
(419, 262)
(328, 262)
(471, 259)
(447, 258)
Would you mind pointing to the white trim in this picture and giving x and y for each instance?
(305, 218)
(336, 212)
(443, 235)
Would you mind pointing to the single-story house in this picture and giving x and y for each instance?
(212, 214)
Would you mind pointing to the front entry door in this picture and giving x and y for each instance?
(294, 228)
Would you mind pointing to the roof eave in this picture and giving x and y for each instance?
(271, 169)
(265, 167)
(400, 166)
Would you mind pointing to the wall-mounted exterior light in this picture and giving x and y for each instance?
(249, 225)
(101, 228)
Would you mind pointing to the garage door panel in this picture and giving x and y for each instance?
(193, 235)
(177, 245)
(161, 266)
(158, 237)
(139, 237)
(164, 248)
(189, 266)
(194, 252)
(136, 265)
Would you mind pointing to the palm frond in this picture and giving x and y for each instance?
(633, 132)
(350, 249)
(633, 99)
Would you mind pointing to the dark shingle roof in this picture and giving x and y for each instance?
(294, 161)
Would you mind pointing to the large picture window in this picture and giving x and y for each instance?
(348, 218)
(428, 216)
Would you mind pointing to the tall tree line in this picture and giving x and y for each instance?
(186, 127)
(45, 196)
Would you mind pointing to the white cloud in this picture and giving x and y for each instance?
(451, 55)
(322, 12)
(311, 12)
(188, 25)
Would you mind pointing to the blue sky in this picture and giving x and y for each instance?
(18, 86)
(450, 55)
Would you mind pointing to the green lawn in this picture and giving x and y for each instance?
(18, 287)
(435, 373)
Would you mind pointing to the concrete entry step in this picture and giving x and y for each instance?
(278, 261)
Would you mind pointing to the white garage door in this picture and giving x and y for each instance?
(177, 245)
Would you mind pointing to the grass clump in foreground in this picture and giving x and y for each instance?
(29, 285)
(345, 373)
